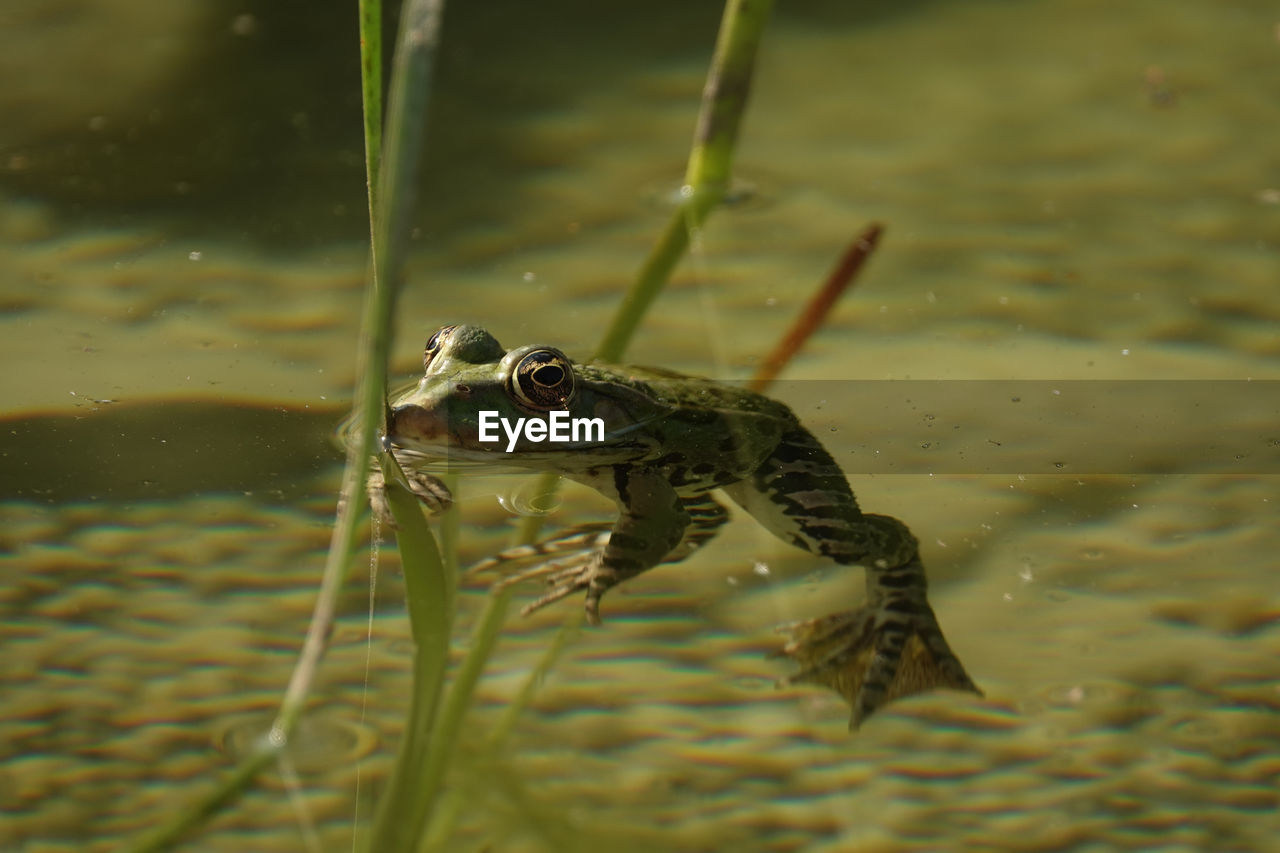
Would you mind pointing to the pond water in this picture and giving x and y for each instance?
(1076, 194)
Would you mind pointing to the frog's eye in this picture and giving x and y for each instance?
(543, 380)
(434, 344)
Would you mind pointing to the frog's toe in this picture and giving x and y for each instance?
(580, 574)
(563, 587)
(376, 488)
(555, 571)
(570, 548)
(592, 605)
(429, 490)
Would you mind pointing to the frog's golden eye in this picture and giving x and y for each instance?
(434, 343)
(543, 380)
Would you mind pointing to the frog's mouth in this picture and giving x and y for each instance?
(414, 426)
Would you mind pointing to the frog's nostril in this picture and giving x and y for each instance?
(462, 388)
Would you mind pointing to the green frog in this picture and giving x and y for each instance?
(659, 444)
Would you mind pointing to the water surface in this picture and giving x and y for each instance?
(1072, 191)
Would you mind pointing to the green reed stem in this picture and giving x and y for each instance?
(706, 181)
(370, 12)
(402, 812)
(394, 184)
(450, 810)
(448, 728)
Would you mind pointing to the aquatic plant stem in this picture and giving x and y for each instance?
(405, 131)
(707, 176)
(397, 179)
(370, 12)
(402, 813)
(445, 735)
(818, 307)
(706, 181)
(401, 816)
(450, 809)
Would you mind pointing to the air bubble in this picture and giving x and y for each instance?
(527, 500)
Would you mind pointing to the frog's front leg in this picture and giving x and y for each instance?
(428, 489)
(651, 523)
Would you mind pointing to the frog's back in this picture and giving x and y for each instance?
(703, 434)
(681, 392)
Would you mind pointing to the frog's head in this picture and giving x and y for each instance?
(470, 385)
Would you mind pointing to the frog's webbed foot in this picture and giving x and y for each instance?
(872, 656)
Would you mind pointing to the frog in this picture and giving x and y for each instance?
(669, 445)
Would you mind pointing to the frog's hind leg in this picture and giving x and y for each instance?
(706, 516)
(890, 647)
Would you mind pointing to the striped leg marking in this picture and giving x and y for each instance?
(893, 645)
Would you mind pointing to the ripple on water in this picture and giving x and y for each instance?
(323, 740)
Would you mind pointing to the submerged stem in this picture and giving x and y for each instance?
(818, 307)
